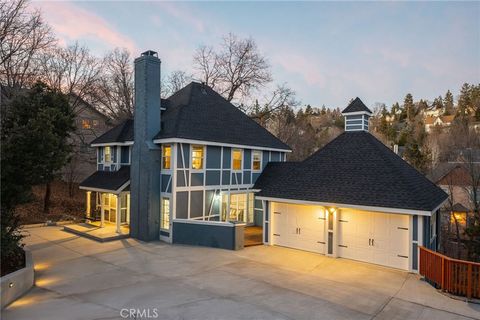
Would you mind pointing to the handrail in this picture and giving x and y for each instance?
(449, 258)
(455, 276)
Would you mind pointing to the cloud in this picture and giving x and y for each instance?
(299, 64)
(183, 14)
(71, 23)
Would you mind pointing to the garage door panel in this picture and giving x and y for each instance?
(299, 227)
(375, 237)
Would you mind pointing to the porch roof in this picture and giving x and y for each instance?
(114, 181)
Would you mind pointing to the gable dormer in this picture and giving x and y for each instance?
(356, 116)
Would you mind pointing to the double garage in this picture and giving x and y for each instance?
(368, 236)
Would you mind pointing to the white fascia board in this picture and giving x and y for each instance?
(105, 190)
(211, 223)
(351, 206)
(356, 113)
(126, 143)
(212, 143)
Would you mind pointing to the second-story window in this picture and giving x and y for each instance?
(108, 154)
(167, 157)
(197, 157)
(237, 156)
(257, 160)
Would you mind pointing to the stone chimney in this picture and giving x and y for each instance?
(145, 164)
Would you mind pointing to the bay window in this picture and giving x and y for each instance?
(167, 157)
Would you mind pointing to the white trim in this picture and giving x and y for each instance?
(213, 223)
(111, 144)
(351, 206)
(356, 113)
(105, 190)
(212, 143)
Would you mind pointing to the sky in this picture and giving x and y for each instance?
(328, 52)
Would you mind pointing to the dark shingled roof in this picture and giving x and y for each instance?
(120, 133)
(199, 113)
(108, 180)
(272, 171)
(356, 106)
(355, 169)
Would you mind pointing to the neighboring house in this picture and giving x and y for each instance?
(433, 112)
(437, 121)
(456, 181)
(193, 169)
(89, 124)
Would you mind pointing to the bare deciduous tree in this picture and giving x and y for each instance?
(71, 70)
(115, 91)
(174, 82)
(281, 97)
(23, 36)
(235, 70)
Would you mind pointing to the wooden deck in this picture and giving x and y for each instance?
(253, 236)
(97, 233)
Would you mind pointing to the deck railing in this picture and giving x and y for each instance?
(458, 277)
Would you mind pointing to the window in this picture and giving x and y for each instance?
(237, 159)
(166, 213)
(197, 157)
(86, 124)
(257, 160)
(108, 154)
(167, 157)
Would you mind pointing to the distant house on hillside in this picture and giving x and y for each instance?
(440, 121)
(455, 180)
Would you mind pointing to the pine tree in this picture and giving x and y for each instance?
(36, 131)
(448, 103)
(409, 107)
(464, 102)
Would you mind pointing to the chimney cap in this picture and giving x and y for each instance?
(150, 53)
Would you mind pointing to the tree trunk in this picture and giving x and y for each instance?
(46, 200)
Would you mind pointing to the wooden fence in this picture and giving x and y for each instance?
(458, 277)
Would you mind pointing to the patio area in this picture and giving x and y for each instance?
(94, 231)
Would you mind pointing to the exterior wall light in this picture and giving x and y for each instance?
(10, 285)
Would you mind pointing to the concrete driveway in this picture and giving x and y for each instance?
(77, 278)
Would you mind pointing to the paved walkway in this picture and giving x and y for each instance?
(77, 278)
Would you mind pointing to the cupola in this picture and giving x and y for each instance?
(356, 116)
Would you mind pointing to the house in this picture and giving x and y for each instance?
(456, 181)
(437, 121)
(194, 165)
(89, 124)
(354, 198)
(193, 169)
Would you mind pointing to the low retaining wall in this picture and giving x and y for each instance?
(225, 235)
(15, 284)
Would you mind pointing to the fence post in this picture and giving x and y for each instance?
(442, 285)
(469, 281)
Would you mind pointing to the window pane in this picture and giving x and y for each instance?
(165, 213)
(237, 159)
(167, 156)
(108, 154)
(197, 157)
(257, 160)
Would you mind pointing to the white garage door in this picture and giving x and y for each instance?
(374, 237)
(298, 226)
